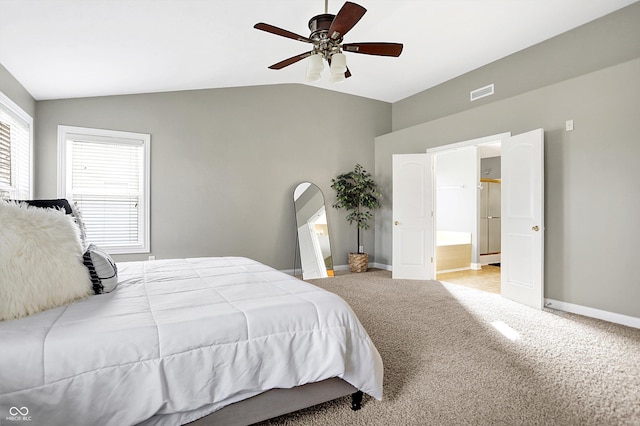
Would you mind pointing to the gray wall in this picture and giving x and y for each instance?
(225, 162)
(490, 168)
(607, 41)
(16, 92)
(591, 179)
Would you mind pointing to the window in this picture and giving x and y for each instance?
(15, 150)
(105, 173)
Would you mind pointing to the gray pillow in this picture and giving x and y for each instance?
(102, 269)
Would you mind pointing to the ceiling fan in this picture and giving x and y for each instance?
(327, 32)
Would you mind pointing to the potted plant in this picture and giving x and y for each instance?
(356, 192)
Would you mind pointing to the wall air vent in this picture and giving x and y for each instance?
(481, 92)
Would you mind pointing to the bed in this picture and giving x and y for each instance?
(225, 340)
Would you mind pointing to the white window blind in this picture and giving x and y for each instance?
(15, 150)
(106, 176)
(5, 154)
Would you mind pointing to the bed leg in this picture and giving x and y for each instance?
(356, 400)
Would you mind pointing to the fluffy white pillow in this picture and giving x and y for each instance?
(40, 260)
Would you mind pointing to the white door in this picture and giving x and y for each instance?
(522, 261)
(413, 236)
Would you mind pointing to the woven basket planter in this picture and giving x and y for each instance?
(358, 262)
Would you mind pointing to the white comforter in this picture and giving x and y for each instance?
(179, 339)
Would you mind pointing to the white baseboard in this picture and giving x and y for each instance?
(486, 259)
(380, 266)
(586, 311)
(444, 271)
(476, 266)
(343, 268)
(370, 265)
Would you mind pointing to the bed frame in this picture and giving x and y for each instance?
(277, 402)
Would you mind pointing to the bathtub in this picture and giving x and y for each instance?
(453, 251)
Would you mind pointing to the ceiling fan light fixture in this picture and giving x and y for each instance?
(338, 63)
(327, 32)
(337, 78)
(315, 67)
(311, 77)
(316, 63)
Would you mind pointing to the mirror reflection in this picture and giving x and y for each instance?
(313, 232)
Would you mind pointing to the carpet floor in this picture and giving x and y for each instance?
(446, 363)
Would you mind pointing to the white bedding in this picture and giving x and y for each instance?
(179, 339)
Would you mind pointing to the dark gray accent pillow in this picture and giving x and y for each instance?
(60, 203)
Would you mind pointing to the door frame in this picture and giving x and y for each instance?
(486, 140)
(431, 240)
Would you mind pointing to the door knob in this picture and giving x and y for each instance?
(396, 223)
(535, 228)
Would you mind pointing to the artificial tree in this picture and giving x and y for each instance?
(357, 193)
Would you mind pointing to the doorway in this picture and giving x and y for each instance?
(467, 214)
(522, 215)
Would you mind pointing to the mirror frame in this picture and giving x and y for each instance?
(312, 232)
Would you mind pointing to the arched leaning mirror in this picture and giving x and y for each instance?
(313, 232)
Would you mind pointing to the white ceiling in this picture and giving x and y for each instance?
(78, 48)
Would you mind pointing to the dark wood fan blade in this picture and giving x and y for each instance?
(291, 60)
(347, 17)
(381, 49)
(279, 31)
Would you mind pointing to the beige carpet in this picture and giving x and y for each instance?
(445, 364)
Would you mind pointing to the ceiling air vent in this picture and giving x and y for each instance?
(481, 92)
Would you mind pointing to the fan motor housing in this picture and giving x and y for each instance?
(323, 44)
(320, 24)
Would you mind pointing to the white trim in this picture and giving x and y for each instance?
(380, 266)
(586, 311)
(346, 267)
(471, 142)
(444, 271)
(369, 265)
(64, 132)
(15, 108)
(486, 259)
(477, 142)
(23, 115)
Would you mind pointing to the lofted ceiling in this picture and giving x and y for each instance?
(78, 48)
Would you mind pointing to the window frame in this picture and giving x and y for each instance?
(13, 190)
(112, 136)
